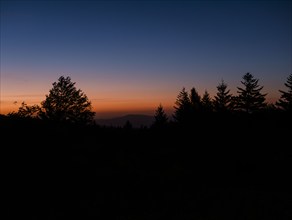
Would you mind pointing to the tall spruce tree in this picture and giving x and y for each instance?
(195, 100)
(223, 98)
(207, 105)
(250, 98)
(160, 117)
(285, 101)
(182, 112)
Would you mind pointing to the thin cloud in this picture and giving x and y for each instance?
(21, 96)
(114, 100)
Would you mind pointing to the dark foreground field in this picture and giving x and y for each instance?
(238, 169)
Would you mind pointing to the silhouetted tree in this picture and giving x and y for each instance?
(182, 107)
(250, 98)
(222, 100)
(271, 108)
(66, 103)
(160, 117)
(128, 125)
(207, 105)
(26, 111)
(285, 101)
(195, 100)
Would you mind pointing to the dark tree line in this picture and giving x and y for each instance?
(220, 171)
(66, 103)
(249, 100)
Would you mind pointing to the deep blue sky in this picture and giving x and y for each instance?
(128, 53)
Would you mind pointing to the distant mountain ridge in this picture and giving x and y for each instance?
(137, 120)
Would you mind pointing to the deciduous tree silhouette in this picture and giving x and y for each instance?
(182, 107)
(222, 100)
(65, 103)
(160, 117)
(285, 101)
(250, 98)
(26, 111)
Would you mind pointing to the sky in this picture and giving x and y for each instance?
(130, 56)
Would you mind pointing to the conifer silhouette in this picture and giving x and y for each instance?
(160, 117)
(285, 101)
(195, 100)
(182, 107)
(250, 98)
(207, 105)
(223, 99)
(128, 125)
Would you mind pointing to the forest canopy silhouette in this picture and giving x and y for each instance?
(226, 157)
(67, 104)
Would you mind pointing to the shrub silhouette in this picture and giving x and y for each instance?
(26, 111)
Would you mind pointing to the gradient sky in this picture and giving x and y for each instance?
(129, 56)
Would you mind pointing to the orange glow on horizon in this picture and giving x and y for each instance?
(104, 108)
(110, 97)
(107, 108)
